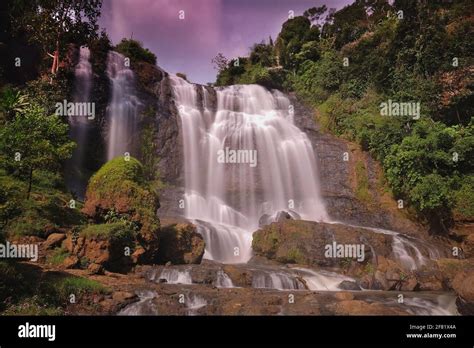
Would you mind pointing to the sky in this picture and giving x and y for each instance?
(209, 27)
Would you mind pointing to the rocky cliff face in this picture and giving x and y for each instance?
(351, 180)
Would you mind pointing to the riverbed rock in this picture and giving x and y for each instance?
(358, 307)
(180, 243)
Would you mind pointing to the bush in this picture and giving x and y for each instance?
(135, 51)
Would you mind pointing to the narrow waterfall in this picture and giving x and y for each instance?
(226, 196)
(122, 110)
(76, 179)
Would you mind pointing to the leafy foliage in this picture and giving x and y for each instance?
(134, 50)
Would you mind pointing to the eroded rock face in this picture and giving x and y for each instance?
(180, 243)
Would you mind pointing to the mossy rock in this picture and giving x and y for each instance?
(180, 243)
(117, 231)
(120, 186)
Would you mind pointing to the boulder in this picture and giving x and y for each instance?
(95, 268)
(104, 245)
(348, 285)
(54, 240)
(463, 284)
(118, 192)
(71, 261)
(305, 242)
(180, 243)
(279, 216)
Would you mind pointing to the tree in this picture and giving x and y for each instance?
(55, 23)
(262, 53)
(11, 101)
(33, 141)
(290, 40)
(220, 62)
(314, 14)
(135, 51)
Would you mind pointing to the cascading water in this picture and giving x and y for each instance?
(75, 177)
(172, 276)
(123, 108)
(227, 195)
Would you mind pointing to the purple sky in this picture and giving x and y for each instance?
(209, 27)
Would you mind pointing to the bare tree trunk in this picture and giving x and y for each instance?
(30, 180)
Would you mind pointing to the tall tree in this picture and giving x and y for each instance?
(54, 23)
(32, 141)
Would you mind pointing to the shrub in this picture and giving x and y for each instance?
(134, 50)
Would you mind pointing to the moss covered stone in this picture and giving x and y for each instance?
(120, 187)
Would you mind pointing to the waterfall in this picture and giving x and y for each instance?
(226, 200)
(276, 280)
(76, 179)
(122, 110)
(172, 276)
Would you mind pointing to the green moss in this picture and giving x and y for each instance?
(58, 291)
(120, 186)
(32, 306)
(362, 183)
(58, 256)
(294, 255)
(118, 231)
(369, 268)
(115, 171)
(464, 200)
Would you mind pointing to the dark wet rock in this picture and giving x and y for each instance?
(348, 285)
(180, 243)
(279, 216)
